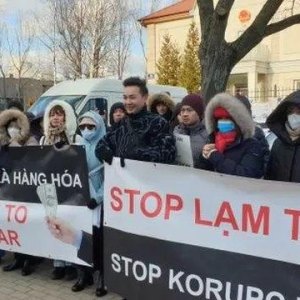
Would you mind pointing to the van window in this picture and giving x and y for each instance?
(96, 104)
(40, 105)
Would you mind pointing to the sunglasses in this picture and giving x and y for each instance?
(88, 126)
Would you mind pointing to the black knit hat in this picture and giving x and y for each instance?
(196, 102)
(15, 104)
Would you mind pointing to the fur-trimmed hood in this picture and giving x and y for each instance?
(22, 122)
(236, 109)
(153, 100)
(71, 120)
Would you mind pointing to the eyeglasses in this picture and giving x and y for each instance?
(88, 126)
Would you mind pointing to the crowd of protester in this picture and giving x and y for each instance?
(223, 136)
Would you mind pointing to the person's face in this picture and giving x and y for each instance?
(118, 115)
(189, 116)
(133, 100)
(57, 119)
(161, 109)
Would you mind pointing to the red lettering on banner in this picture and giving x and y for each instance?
(295, 222)
(158, 203)
(174, 203)
(131, 194)
(226, 215)
(262, 220)
(116, 203)
(10, 237)
(10, 208)
(3, 237)
(198, 219)
(13, 237)
(21, 214)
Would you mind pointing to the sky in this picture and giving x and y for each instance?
(10, 10)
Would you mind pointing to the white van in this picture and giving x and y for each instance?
(92, 94)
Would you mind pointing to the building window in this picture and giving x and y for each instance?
(297, 84)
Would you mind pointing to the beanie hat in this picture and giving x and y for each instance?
(221, 113)
(15, 104)
(196, 102)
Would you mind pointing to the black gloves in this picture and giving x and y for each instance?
(59, 145)
(106, 155)
(92, 204)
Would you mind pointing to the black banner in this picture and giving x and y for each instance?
(141, 268)
(23, 169)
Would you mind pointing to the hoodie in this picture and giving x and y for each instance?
(21, 121)
(114, 107)
(95, 167)
(71, 122)
(284, 163)
(156, 99)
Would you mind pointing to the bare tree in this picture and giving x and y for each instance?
(122, 39)
(20, 42)
(141, 9)
(2, 48)
(217, 56)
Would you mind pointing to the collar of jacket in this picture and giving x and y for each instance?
(138, 115)
(194, 128)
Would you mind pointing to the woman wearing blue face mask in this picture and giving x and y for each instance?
(93, 129)
(284, 163)
(232, 148)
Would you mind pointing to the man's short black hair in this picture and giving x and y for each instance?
(137, 81)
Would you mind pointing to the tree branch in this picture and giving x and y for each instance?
(206, 11)
(281, 25)
(257, 31)
(223, 7)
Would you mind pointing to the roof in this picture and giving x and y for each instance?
(176, 11)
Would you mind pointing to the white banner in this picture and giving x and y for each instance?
(178, 204)
(184, 150)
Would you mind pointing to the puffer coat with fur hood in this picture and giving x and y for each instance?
(161, 98)
(245, 156)
(20, 121)
(70, 123)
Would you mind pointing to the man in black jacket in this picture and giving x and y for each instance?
(141, 135)
(284, 163)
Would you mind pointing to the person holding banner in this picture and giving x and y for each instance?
(15, 132)
(192, 111)
(60, 126)
(284, 121)
(232, 148)
(141, 135)
(93, 129)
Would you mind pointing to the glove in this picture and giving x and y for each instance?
(122, 162)
(106, 155)
(4, 148)
(92, 204)
(59, 145)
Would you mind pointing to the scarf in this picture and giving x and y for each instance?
(55, 135)
(223, 140)
(294, 134)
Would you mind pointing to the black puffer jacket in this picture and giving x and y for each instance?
(143, 136)
(284, 163)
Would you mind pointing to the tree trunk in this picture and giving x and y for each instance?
(216, 62)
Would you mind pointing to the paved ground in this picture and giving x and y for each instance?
(39, 286)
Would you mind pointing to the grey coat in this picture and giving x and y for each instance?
(198, 137)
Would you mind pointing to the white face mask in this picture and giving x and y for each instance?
(13, 132)
(294, 121)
